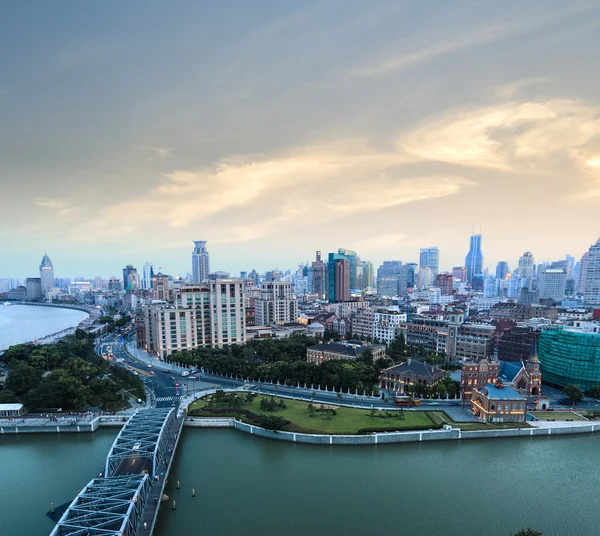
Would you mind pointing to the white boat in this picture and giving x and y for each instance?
(6, 303)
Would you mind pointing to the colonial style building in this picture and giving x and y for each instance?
(399, 377)
(346, 350)
(524, 376)
(499, 403)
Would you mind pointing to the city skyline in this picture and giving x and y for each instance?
(386, 123)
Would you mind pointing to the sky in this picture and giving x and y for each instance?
(274, 129)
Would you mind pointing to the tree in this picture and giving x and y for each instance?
(573, 393)
(339, 395)
(528, 532)
(311, 410)
(594, 392)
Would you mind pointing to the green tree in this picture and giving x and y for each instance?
(594, 392)
(573, 393)
(528, 532)
(340, 395)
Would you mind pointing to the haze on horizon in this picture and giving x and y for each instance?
(273, 129)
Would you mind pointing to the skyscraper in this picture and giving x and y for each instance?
(353, 260)
(581, 280)
(317, 275)
(526, 268)
(460, 273)
(388, 278)
(46, 274)
(474, 259)
(430, 258)
(338, 278)
(501, 270)
(368, 274)
(591, 293)
(200, 262)
(131, 279)
(147, 274)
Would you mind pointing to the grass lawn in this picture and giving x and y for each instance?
(347, 420)
(556, 416)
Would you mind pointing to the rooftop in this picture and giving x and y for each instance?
(416, 368)
(11, 407)
(501, 393)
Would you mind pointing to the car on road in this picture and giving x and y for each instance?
(185, 373)
(172, 377)
(149, 365)
(152, 373)
(136, 446)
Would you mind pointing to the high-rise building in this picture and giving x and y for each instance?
(147, 275)
(34, 288)
(200, 261)
(581, 279)
(338, 278)
(161, 287)
(388, 278)
(46, 274)
(502, 270)
(444, 283)
(591, 292)
(491, 287)
(276, 303)
(460, 273)
(131, 279)
(368, 274)
(430, 258)
(526, 269)
(425, 278)
(317, 276)
(552, 284)
(353, 260)
(474, 259)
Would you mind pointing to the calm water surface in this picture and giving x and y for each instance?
(246, 485)
(24, 323)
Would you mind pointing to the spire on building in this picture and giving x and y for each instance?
(533, 354)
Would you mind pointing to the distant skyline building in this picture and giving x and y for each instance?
(552, 284)
(444, 283)
(46, 274)
(276, 304)
(430, 258)
(338, 278)
(131, 278)
(460, 273)
(147, 275)
(591, 293)
(316, 275)
(502, 270)
(200, 262)
(388, 278)
(474, 259)
(368, 274)
(526, 268)
(352, 257)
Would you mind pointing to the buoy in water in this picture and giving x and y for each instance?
(178, 484)
(193, 492)
(52, 511)
(174, 505)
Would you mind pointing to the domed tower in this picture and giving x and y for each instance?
(533, 371)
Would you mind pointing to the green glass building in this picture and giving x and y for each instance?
(570, 356)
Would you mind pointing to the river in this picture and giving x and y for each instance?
(246, 485)
(24, 323)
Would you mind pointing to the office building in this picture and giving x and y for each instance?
(388, 278)
(526, 269)
(162, 288)
(591, 290)
(34, 288)
(430, 258)
(474, 259)
(46, 274)
(200, 262)
(352, 258)
(425, 278)
(316, 275)
(552, 284)
(147, 275)
(368, 274)
(570, 355)
(131, 279)
(491, 287)
(459, 273)
(516, 342)
(444, 283)
(502, 270)
(276, 304)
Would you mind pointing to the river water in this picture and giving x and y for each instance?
(24, 323)
(247, 485)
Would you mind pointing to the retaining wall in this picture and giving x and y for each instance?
(84, 426)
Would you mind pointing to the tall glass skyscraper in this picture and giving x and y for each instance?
(46, 274)
(430, 258)
(352, 258)
(474, 259)
(200, 262)
(501, 270)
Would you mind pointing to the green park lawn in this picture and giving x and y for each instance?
(346, 420)
(557, 416)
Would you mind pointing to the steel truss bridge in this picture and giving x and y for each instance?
(114, 504)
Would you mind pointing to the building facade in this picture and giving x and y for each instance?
(46, 274)
(591, 289)
(430, 258)
(474, 259)
(400, 378)
(498, 403)
(320, 353)
(276, 304)
(200, 261)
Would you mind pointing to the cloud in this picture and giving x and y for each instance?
(163, 152)
(248, 197)
(477, 36)
(510, 91)
(61, 208)
(507, 135)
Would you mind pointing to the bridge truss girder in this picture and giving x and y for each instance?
(106, 507)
